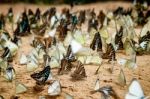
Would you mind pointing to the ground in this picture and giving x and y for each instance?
(78, 89)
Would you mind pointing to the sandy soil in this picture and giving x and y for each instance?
(78, 89)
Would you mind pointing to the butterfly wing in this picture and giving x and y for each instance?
(130, 96)
(121, 78)
(42, 76)
(97, 85)
(135, 90)
(20, 88)
(75, 46)
(54, 89)
(68, 96)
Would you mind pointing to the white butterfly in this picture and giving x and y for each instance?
(68, 96)
(97, 85)
(90, 59)
(23, 59)
(10, 73)
(75, 46)
(54, 89)
(12, 47)
(135, 91)
(122, 78)
(53, 21)
(32, 65)
(56, 53)
(52, 32)
(20, 88)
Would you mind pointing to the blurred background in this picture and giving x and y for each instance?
(62, 1)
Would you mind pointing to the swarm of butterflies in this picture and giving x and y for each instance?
(61, 41)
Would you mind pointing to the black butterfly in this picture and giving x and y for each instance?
(81, 17)
(92, 23)
(23, 28)
(37, 14)
(2, 21)
(118, 11)
(141, 19)
(122, 11)
(15, 40)
(74, 22)
(10, 15)
(96, 43)
(70, 56)
(30, 12)
(7, 54)
(101, 17)
(118, 38)
(41, 76)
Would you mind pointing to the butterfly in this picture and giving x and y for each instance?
(10, 15)
(32, 62)
(40, 30)
(42, 76)
(66, 62)
(118, 38)
(96, 43)
(20, 88)
(16, 40)
(69, 55)
(129, 47)
(135, 91)
(1, 97)
(57, 54)
(121, 78)
(79, 72)
(2, 21)
(7, 54)
(130, 63)
(54, 89)
(81, 17)
(90, 58)
(68, 96)
(30, 12)
(106, 91)
(143, 41)
(145, 37)
(10, 72)
(14, 97)
(47, 60)
(23, 59)
(101, 17)
(110, 53)
(62, 29)
(23, 27)
(92, 24)
(38, 41)
(37, 14)
(66, 66)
